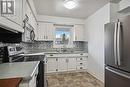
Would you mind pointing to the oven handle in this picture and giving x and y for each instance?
(118, 73)
(17, 59)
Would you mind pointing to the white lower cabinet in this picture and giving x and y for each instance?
(66, 64)
(71, 64)
(81, 63)
(52, 65)
(62, 64)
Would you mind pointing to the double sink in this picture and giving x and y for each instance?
(39, 55)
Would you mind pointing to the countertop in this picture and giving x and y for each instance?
(23, 70)
(34, 53)
(12, 82)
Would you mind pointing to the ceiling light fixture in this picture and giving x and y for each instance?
(70, 4)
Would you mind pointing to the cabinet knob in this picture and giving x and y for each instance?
(81, 54)
(51, 55)
(81, 59)
(81, 63)
(81, 67)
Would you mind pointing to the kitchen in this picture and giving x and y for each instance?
(64, 43)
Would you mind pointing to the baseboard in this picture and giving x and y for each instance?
(95, 76)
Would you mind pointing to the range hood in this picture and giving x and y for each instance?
(9, 36)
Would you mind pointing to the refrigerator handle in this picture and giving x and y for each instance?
(118, 73)
(118, 43)
(115, 44)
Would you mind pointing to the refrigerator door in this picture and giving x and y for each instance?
(125, 44)
(110, 44)
(116, 78)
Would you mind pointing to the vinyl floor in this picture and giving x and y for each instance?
(78, 79)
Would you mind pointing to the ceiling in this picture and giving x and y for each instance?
(84, 9)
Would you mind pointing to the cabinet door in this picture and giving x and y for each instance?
(52, 65)
(41, 31)
(62, 64)
(50, 31)
(79, 32)
(17, 17)
(71, 64)
(46, 31)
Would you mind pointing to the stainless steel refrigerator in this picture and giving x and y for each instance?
(117, 53)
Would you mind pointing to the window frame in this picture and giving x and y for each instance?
(70, 45)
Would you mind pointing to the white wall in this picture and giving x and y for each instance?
(95, 31)
(59, 20)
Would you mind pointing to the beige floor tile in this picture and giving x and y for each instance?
(82, 79)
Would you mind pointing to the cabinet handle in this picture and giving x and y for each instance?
(56, 69)
(44, 37)
(81, 59)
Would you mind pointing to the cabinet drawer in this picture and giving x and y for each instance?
(82, 59)
(81, 63)
(81, 67)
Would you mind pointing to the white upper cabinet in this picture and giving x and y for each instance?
(45, 31)
(79, 32)
(14, 21)
(17, 16)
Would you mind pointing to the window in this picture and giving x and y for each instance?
(63, 36)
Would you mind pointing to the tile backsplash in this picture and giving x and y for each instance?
(48, 46)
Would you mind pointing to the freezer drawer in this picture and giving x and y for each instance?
(114, 78)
